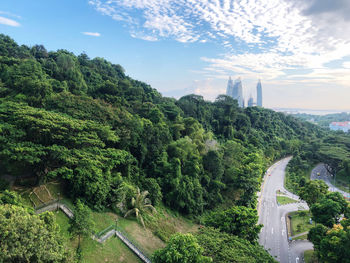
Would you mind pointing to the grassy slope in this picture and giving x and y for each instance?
(299, 219)
(112, 250)
(158, 228)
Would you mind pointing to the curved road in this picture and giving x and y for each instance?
(273, 235)
(326, 177)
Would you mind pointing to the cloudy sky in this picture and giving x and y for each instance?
(299, 49)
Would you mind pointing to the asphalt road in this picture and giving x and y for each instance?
(327, 178)
(273, 235)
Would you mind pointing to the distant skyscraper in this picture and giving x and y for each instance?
(229, 90)
(259, 94)
(251, 102)
(235, 91)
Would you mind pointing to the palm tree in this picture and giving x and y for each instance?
(140, 205)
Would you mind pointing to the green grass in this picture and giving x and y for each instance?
(342, 182)
(283, 200)
(103, 220)
(309, 257)
(63, 221)
(113, 250)
(300, 222)
(303, 237)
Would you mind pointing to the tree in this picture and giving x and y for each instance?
(313, 191)
(26, 237)
(238, 220)
(82, 222)
(155, 192)
(332, 245)
(140, 204)
(10, 197)
(224, 248)
(328, 210)
(181, 248)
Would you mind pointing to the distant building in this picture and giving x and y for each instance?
(259, 94)
(235, 90)
(340, 126)
(251, 102)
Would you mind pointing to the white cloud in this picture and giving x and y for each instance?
(262, 38)
(10, 14)
(9, 22)
(92, 34)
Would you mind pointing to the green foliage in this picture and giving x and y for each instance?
(238, 220)
(11, 198)
(154, 190)
(25, 237)
(84, 121)
(331, 245)
(181, 248)
(4, 185)
(82, 222)
(313, 191)
(327, 210)
(140, 204)
(223, 247)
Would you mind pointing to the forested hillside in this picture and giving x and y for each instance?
(103, 134)
(85, 121)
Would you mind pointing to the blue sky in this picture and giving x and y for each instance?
(300, 51)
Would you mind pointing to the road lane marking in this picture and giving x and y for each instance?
(283, 232)
(297, 260)
(271, 230)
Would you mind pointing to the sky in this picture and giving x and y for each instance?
(299, 49)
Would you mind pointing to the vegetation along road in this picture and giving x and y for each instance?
(274, 236)
(320, 173)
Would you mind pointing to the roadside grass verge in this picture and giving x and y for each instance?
(310, 257)
(303, 237)
(284, 200)
(342, 182)
(300, 222)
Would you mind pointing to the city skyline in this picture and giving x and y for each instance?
(240, 93)
(300, 50)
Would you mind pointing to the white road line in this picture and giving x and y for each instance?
(271, 230)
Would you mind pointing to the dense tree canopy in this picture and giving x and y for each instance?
(25, 237)
(239, 221)
(181, 248)
(223, 247)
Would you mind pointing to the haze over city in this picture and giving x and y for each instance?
(300, 51)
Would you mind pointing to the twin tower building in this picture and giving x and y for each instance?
(235, 90)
